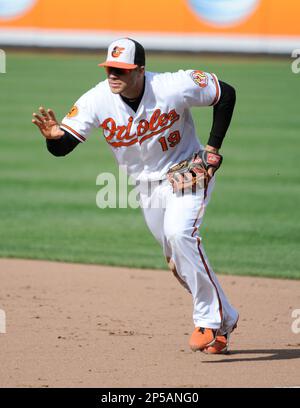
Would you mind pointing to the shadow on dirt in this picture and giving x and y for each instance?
(267, 355)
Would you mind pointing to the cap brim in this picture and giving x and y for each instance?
(115, 64)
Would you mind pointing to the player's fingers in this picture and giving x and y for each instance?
(38, 117)
(43, 112)
(38, 124)
(52, 115)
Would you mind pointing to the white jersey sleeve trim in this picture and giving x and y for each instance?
(73, 132)
(218, 90)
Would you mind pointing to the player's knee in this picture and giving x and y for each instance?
(177, 236)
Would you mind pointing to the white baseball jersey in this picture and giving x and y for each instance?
(160, 133)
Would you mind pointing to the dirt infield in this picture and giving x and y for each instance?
(96, 326)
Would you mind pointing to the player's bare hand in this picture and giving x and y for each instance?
(47, 123)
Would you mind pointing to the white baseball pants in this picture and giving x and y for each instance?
(174, 220)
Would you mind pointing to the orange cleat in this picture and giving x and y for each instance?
(221, 344)
(202, 338)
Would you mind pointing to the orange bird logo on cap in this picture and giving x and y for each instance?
(117, 51)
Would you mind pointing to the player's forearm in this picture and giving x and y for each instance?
(222, 115)
(63, 145)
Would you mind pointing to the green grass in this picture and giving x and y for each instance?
(48, 208)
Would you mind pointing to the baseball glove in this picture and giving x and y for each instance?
(193, 171)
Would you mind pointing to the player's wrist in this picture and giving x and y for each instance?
(211, 149)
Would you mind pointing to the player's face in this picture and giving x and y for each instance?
(127, 82)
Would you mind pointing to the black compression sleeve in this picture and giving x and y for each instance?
(63, 145)
(222, 115)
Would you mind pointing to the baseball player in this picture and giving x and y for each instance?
(146, 121)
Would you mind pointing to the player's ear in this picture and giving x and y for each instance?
(141, 69)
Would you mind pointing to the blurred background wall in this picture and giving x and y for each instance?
(263, 26)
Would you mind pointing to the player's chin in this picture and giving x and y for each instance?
(116, 89)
